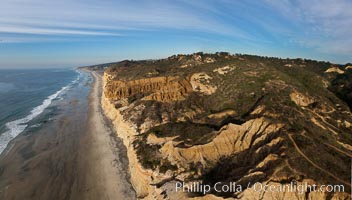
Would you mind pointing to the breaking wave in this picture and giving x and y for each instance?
(18, 126)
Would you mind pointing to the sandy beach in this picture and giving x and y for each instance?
(73, 156)
(104, 176)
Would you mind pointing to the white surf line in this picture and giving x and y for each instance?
(18, 126)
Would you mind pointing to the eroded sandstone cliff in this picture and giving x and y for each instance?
(164, 89)
(230, 118)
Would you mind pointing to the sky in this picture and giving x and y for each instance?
(71, 33)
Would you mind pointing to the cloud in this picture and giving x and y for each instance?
(93, 17)
(324, 25)
(50, 31)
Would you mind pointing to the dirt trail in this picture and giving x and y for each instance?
(339, 150)
(315, 165)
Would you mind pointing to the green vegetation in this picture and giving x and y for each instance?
(150, 158)
(189, 133)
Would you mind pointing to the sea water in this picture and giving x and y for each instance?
(25, 94)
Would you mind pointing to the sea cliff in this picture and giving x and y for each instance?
(211, 119)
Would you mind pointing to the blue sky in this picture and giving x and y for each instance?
(70, 33)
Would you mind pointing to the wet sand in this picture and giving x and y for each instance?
(74, 156)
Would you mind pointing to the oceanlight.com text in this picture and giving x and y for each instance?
(295, 187)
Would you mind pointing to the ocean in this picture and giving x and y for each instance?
(26, 94)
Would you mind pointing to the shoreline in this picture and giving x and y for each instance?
(73, 156)
(119, 145)
(19, 125)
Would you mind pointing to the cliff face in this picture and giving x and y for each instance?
(224, 118)
(140, 177)
(164, 89)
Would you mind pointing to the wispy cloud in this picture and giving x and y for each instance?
(110, 17)
(324, 25)
(320, 26)
(50, 31)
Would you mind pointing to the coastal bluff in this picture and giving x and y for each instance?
(223, 118)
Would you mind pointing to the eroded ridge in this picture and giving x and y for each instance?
(211, 118)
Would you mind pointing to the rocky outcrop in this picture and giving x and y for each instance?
(301, 99)
(335, 70)
(201, 82)
(224, 70)
(209, 60)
